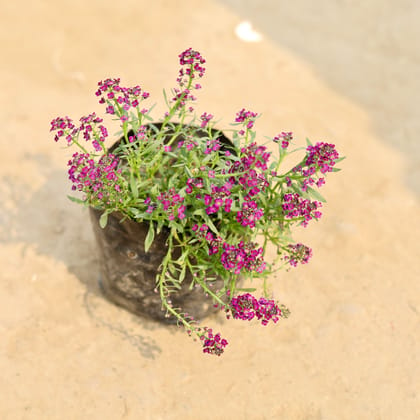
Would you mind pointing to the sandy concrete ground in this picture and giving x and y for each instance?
(326, 70)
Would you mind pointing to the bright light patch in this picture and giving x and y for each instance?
(245, 32)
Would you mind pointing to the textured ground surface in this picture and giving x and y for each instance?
(326, 70)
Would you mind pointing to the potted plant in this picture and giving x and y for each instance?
(183, 212)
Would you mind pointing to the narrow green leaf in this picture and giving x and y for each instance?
(133, 186)
(134, 210)
(166, 98)
(172, 270)
(246, 289)
(103, 220)
(308, 142)
(199, 212)
(211, 226)
(315, 194)
(182, 274)
(147, 117)
(296, 189)
(76, 200)
(149, 237)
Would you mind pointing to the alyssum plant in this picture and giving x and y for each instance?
(214, 198)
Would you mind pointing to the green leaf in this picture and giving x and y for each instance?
(207, 220)
(199, 212)
(211, 226)
(249, 290)
(182, 274)
(172, 270)
(133, 186)
(147, 117)
(335, 170)
(149, 237)
(103, 220)
(166, 98)
(308, 142)
(316, 194)
(76, 200)
(296, 189)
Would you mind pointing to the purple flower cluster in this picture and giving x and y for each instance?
(183, 96)
(253, 158)
(89, 127)
(89, 130)
(256, 156)
(245, 256)
(295, 206)
(321, 157)
(205, 118)
(249, 214)
(100, 180)
(64, 127)
(285, 138)
(194, 183)
(213, 343)
(247, 307)
(213, 241)
(193, 61)
(218, 198)
(213, 145)
(150, 206)
(119, 99)
(246, 117)
(171, 202)
(192, 66)
(189, 143)
(298, 253)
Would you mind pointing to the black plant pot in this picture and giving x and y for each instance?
(128, 273)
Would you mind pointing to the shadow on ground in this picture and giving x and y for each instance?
(46, 220)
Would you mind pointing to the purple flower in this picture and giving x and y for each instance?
(296, 207)
(298, 253)
(254, 159)
(98, 180)
(205, 118)
(245, 256)
(170, 202)
(213, 343)
(213, 242)
(192, 66)
(181, 212)
(321, 157)
(285, 138)
(110, 110)
(246, 117)
(249, 214)
(110, 92)
(247, 307)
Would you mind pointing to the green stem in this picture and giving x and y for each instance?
(187, 325)
(229, 175)
(178, 101)
(80, 147)
(246, 136)
(163, 289)
(205, 288)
